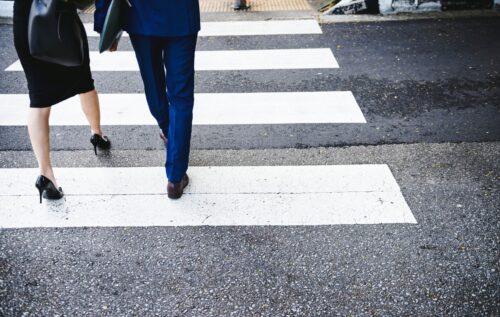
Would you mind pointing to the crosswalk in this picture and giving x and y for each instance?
(246, 28)
(305, 58)
(211, 109)
(217, 196)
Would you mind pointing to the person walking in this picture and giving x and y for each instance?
(49, 84)
(164, 34)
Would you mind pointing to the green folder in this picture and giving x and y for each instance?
(113, 24)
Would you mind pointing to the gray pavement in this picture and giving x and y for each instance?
(447, 264)
(429, 91)
(408, 78)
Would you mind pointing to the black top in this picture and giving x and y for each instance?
(48, 83)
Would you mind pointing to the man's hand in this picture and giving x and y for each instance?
(114, 47)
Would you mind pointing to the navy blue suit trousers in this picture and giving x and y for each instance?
(167, 69)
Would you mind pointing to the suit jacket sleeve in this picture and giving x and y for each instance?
(101, 9)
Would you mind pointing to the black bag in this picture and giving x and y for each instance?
(55, 33)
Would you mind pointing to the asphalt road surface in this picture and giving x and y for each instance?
(405, 220)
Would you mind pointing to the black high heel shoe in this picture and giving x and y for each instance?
(101, 142)
(48, 189)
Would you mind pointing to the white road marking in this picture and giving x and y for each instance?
(303, 58)
(243, 28)
(216, 196)
(210, 109)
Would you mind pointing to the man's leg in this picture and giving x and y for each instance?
(149, 54)
(179, 62)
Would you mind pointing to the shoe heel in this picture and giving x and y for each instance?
(94, 143)
(40, 191)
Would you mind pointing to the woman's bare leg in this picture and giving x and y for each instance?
(90, 106)
(38, 128)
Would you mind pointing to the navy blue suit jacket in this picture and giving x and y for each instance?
(155, 17)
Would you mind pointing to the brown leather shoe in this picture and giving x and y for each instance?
(175, 190)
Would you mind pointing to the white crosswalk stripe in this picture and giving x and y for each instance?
(210, 109)
(246, 28)
(234, 196)
(303, 58)
(216, 196)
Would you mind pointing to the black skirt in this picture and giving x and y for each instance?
(48, 83)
